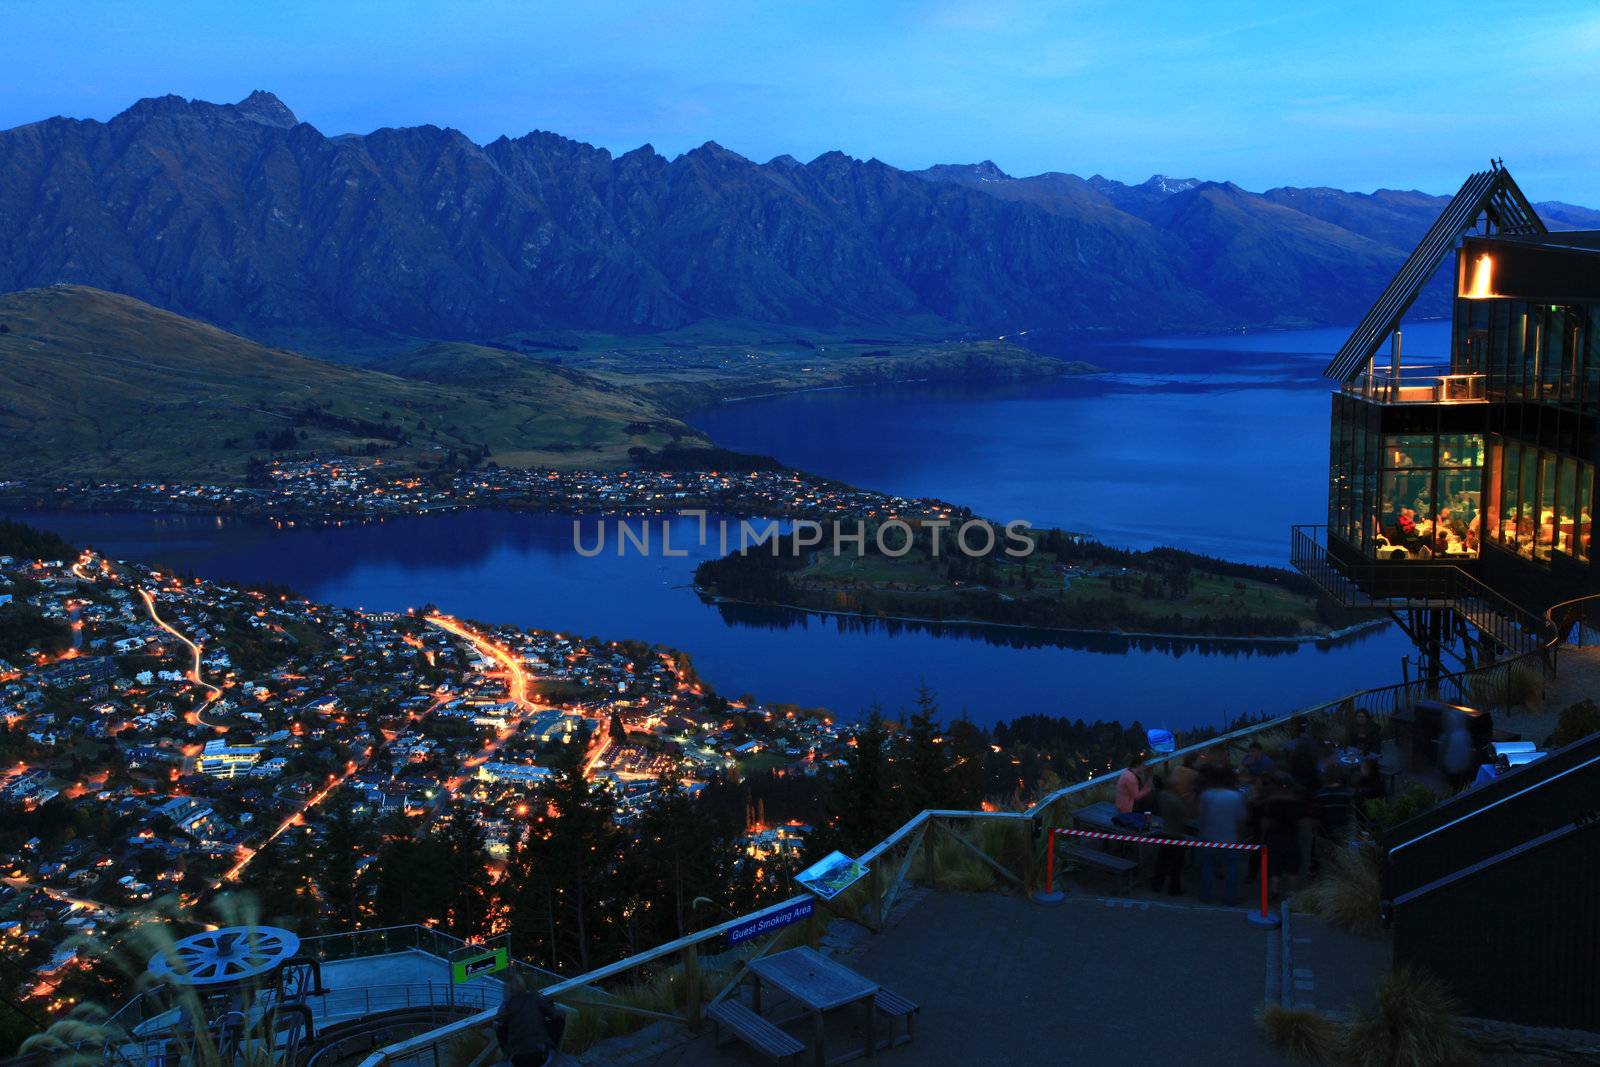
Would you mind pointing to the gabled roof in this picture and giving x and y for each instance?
(1490, 193)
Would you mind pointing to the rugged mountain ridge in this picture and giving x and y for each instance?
(249, 219)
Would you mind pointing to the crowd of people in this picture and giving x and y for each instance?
(1296, 810)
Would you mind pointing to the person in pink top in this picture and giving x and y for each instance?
(1133, 792)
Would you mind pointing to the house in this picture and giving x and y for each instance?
(522, 774)
(220, 760)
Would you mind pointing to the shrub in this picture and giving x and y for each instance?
(1382, 814)
(1577, 722)
(1305, 1036)
(1413, 1024)
(1348, 891)
(1516, 685)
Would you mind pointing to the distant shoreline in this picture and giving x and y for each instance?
(975, 379)
(1333, 635)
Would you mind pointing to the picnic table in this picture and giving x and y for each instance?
(1101, 816)
(819, 985)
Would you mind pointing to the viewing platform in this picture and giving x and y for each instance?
(1001, 980)
(1384, 387)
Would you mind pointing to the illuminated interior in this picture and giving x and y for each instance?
(1405, 496)
(1428, 505)
(1540, 503)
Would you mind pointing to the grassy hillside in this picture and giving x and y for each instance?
(98, 385)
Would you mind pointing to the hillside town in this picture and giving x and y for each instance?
(160, 734)
(319, 489)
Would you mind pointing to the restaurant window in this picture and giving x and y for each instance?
(1429, 497)
(1527, 500)
(1566, 523)
(1583, 548)
(1540, 503)
(1591, 359)
(1492, 491)
(1545, 508)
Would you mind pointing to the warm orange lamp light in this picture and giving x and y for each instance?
(1482, 284)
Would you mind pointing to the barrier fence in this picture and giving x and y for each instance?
(1264, 919)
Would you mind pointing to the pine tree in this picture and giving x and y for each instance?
(347, 840)
(922, 770)
(464, 862)
(861, 807)
(563, 901)
(681, 850)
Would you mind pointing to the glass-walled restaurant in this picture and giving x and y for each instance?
(1416, 475)
(1404, 496)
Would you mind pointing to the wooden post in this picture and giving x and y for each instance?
(875, 892)
(691, 984)
(1030, 856)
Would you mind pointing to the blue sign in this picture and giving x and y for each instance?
(773, 920)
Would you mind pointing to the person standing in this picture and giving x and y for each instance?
(1133, 792)
(1222, 813)
(1455, 753)
(1173, 808)
(528, 1026)
(1281, 813)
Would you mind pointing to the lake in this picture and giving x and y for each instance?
(1217, 445)
(1213, 444)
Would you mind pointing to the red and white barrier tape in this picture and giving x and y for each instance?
(1181, 841)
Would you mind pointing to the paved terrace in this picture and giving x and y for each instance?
(1001, 979)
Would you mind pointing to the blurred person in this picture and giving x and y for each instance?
(1364, 734)
(528, 1026)
(1133, 790)
(1173, 808)
(1222, 814)
(1488, 772)
(1281, 814)
(1256, 761)
(1455, 753)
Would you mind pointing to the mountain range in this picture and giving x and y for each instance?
(244, 217)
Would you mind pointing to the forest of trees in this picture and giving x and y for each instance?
(992, 587)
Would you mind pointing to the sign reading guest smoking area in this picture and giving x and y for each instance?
(766, 924)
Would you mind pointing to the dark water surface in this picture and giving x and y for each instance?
(1217, 445)
(1213, 444)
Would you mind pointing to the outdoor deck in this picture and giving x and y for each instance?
(1001, 979)
(395, 980)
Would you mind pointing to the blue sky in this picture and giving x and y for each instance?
(1411, 94)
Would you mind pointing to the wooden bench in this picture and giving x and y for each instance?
(1120, 866)
(753, 1030)
(892, 1006)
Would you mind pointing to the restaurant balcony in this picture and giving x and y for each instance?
(1352, 580)
(1381, 386)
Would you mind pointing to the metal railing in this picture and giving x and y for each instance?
(1383, 387)
(1403, 584)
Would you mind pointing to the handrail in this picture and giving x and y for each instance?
(1543, 652)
